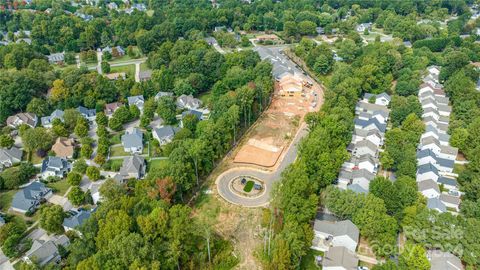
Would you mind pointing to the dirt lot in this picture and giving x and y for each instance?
(274, 130)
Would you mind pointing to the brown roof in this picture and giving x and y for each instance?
(26, 118)
(112, 107)
(63, 147)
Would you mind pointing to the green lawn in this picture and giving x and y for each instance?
(113, 165)
(116, 139)
(128, 69)
(205, 97)
(308, 261)
(248, 186)
(117, 151)
(143, 66)
(6, 199)
(59, 187)
(157, 164)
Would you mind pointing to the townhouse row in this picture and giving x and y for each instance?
(435, 157)
(368, 137)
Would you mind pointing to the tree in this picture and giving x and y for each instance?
(134, 112)
(36, 139)
(59, 91)
(105, 67)
(167, 110)
(190, 122)
(93, 173)
(116, 222)
(80, 166)
(74, 178)
(51, 219)
(76, 196)
(110, 190)
(6, 141)
(70, 118)
(414, 257)
(81, 129)
(86, 151)
(101, 119)
(38, 106)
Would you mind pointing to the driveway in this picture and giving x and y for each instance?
(268, 178)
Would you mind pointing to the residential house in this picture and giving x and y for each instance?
(110, 108)
(64, 147)
(335, 234)
(18, 119)
(112, 6)
(450, 201)
(369, 108)
(47, 121)
(434, 70)
(448, 183)
(55, 166)
(198, 114)
(427, 172)
(188, 102)
(28, 199)
(428, 156)
(88, 114)
(362, 177)
(132, 141)
(442, 138)
(365, 148)
(339, 258)
(145, 75)
(44, 252)
(429, 188)
(370, 124)
(373, 136)
(380, 99)
(133, 167)
(380, 116)
(11, 156)
(436, 204)
(116, 51)
(56, 58)
(94, 188)
(440, 260)
(441, 127)
(364, 26)
(443, 151)
(164, 134)
(137, 101)
(357, 189)
(76, 219)
(161, 94)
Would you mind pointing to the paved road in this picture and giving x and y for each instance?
(269, 178)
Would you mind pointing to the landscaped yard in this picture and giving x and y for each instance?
(248, 186)
(116, 139)
(59, 187)
(308, 261)
(113, 165)
(157, 164)
(117, 151)
(6, 199)
(128, 69)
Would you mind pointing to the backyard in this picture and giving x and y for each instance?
(6, 199)
(59, 187)
(157, 164)
(308, 262)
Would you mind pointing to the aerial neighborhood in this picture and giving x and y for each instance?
(240, 134)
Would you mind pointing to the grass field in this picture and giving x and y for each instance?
(59, 187)
(157, 164)
(308, 261)
(116, 139)
(117, 151)
(128, 69)
(114, 164)
(6, 199)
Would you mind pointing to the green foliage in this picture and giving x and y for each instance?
(51, 219)
(6, 141)
(76, 196)
(93, 173)
(14, 177)
(74, 178)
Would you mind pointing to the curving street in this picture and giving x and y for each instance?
(268, 178)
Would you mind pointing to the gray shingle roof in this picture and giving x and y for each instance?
(363, 173)
(13, 155)
(447, 181)
(357, 188)
(165, 131)
(425, 168)
(132, 164)
(435, 203)
(77, 219)
(86, 112)
(338, 228)
(428, 184)
(340, 256)
(364, 123)
(29, 196)
(133, 139)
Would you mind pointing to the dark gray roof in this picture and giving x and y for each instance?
(198, 114)
(29, 196)
(337, 228)
(435, 203)
(362, 173)
(54, 163)
(364, 123)
(425, 168)
(77, 219)
(14, 154)
(447, 181)
(165, 131)
(132, 164)
(450, 199)
(86, 112)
